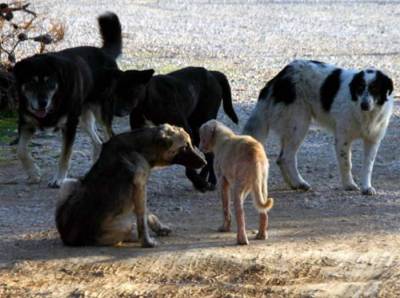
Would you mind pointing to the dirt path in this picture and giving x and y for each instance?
(323, 243)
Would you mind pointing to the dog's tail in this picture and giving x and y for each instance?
(226, 95)
(257, 124)
(111, 33)
(260, 189)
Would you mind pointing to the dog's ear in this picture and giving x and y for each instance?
(162, 139)
(387, 83)
(138, 76)
(386, 86)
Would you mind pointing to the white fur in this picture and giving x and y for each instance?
(346, 120)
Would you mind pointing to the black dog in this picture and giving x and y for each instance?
(98, 210)
(188, 98)
(56, 89)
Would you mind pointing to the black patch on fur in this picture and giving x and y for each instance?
(318, 63)
(329, 89)
(380, 87)
(357, 85)
(283, 88)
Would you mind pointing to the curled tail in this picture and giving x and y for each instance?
(226, 95)
(111, 33)
(260, 190)
(257, 124)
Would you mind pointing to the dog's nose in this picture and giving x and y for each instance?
(365, 106)
(42, 104)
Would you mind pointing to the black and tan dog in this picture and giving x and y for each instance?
(58, 89)
(187, 98)
(99, 208)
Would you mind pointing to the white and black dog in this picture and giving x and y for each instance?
(352, 104)
(58, 89)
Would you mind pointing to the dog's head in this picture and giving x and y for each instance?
(370, 89)
(129, 89)
(177, 147)
(37, 82)
(207, 135)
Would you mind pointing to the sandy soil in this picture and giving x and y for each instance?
(323, 243)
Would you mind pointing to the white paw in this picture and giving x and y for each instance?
(56, 183)
(351, 186)
(34, 175)
(368, 191)
(33, 178)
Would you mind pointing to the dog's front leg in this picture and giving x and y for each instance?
(141, 216)
(33, 171)
(68, 136)
(370, 150)
(343, 154)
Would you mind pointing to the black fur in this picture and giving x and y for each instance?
(283, 88)
(188, 98)
(381, 87)
(329, 89)
(323, 64)
(86, 77)
(357, 85)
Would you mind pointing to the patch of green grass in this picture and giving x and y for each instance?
(8, 127)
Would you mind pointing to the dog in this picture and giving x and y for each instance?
(57, 90)
(241, 166)
(188, 98)
(98, 209)
(352, 104)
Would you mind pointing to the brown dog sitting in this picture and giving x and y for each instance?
(241, 167)
(98, 209)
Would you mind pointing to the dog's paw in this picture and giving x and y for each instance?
(261, 235)
(149, 243)
(224, 228)
(163, 231)
(304, 186)
(33, 179)
(369, 191)
(242, 240)
(55, 183)
(351, 187)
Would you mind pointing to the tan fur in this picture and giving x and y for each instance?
(98, 209)
(241, 166)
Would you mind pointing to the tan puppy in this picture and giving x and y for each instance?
(241, 167)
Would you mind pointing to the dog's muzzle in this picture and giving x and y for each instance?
(189, 157)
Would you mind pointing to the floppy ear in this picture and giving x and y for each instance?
(386, 86)
(387, 83)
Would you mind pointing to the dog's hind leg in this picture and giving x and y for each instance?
(68, 132)
(225, 197)
(257, 125)
(26, 133)
(292, 135)
(238, 197)
(89, 125)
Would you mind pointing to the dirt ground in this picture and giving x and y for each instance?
(322, 243)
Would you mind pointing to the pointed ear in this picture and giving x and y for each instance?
(138, 76)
